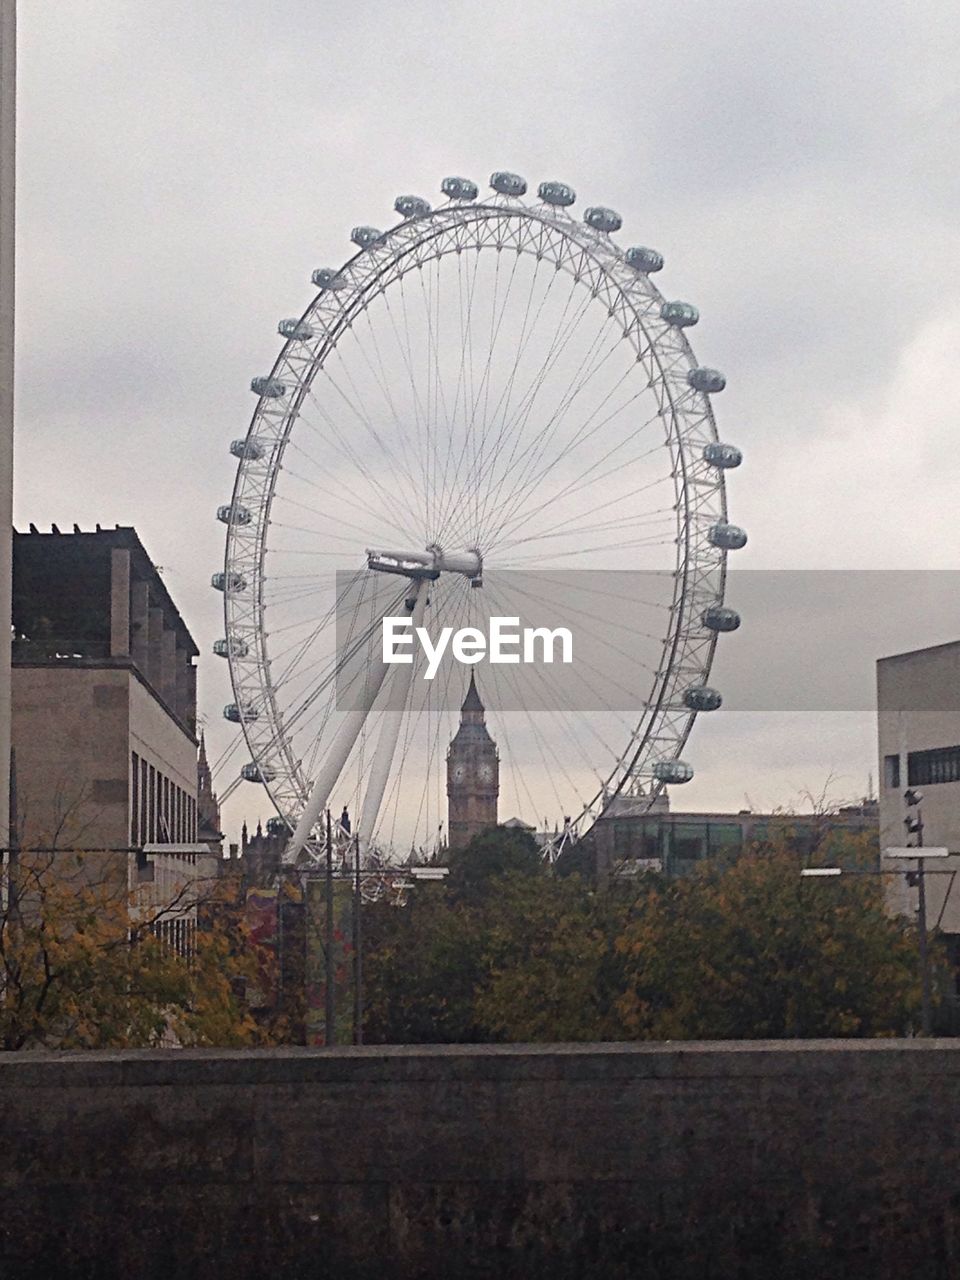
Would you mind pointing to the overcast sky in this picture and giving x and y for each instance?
(183, 167)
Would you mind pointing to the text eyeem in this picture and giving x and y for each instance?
(504, 642)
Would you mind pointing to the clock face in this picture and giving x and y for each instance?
(486, 773)
(459, 772)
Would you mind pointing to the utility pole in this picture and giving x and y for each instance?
(914, 826)
(357, 947)
(330, 1033)
(916, 879)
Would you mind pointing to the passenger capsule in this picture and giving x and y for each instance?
(364, 237)
(250, 449)
(645, 260)
(602, 219)
(730, 537)
(235, 715)
(232, 648)
(719, 618)
(672, 771)
(508, 184)
(556, 193)
(699, 697)
(459, 188)
(709, 381)
(298, 329)
(722, 455)
(411, 207)
(327, 279)
(268, 388)
(228, 582)
(257, 772)
(679, 314)
(277, 827)
(230, 514)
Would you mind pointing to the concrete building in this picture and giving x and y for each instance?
(104, 695)
(104, 715)
(630, 836)
(918, 726)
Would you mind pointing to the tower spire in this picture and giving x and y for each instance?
(472, 701)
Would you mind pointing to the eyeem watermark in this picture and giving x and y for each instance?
(505, 642)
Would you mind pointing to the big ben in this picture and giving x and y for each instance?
(473, 774)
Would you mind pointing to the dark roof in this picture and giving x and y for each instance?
(64, 578)
(472, 701)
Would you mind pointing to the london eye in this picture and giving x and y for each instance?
(488, 408)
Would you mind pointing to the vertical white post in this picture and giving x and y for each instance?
(382, 762)
(8, 106)
(342, 744)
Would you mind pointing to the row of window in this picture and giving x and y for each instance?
(651, 838)
(927, 767)
(160, 811)
(924, 768)
(179, 934)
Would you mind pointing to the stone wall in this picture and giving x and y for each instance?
(750, 1160)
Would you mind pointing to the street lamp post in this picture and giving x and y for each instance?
(915, 877)
(914, 826)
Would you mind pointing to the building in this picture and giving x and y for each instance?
(208, 806)
(631, 835)
(918, 729)
(104, 712)
(473, 774)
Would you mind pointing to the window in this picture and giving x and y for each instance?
(152, 818)
(134, 797)
(925, 768)
(688, 841)
(142, 837)
(165, 810)
(891, 771)
(724, 838)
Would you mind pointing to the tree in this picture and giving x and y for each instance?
(422, 964)
(550, 970)
(757, 952)
(744, 951)
(488, 856)
(82, 965)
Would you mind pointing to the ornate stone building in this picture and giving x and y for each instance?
(208, 806)
(473, 774)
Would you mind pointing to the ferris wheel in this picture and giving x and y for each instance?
(491, 394)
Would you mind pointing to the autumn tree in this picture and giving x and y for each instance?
(755, 951)
(747, 951)
(424, 962)
(551, 970)
(487, 857)
(82, 965)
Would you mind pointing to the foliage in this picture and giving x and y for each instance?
(758, 952)
(422, 964)
(490, 855)
(747, 951)
(82, 965)
(550, 965)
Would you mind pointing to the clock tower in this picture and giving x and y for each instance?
(473, 774)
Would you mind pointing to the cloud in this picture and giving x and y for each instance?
(182, 169)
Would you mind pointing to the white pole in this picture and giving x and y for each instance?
(340, 749)
(382, 761)
(8, 167)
